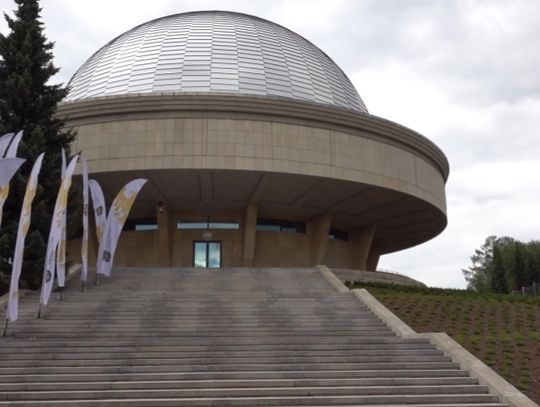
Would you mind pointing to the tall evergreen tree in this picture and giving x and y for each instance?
(477, 275)
(531, 269)
(498, 275)
(519, 267)
(28, 102)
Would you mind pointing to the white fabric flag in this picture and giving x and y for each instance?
(12, 149)
(11, 153)
(84, 246)
(115, 222)
(61, 249)
(4, 143)
(55, 233)
(8, 168)
(24, 225)
(98, 202)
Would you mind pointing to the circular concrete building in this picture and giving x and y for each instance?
(257, 147)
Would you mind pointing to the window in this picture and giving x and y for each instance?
(338, 234)
(141, 224)
(280, 225)
(207, 223)
(223, 224)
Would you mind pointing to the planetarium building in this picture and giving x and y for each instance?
(258, 149)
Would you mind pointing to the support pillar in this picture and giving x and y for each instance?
(372, 260)
(249, 225)
(361, 241)
(318, 230)
(164, 218)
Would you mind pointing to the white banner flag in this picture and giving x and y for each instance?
(56, 232)
(4, 143)
(84, 245)
(12, 149)
(61, 249)
(24, 225)
(115, 222)
(98, 202)
(8, 168)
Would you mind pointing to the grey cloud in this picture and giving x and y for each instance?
(439, 40)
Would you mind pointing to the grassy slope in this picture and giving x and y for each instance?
(502, 330)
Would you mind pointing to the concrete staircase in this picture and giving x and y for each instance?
(184, 337)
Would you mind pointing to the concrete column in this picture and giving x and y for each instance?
(165, 232)
(361, 240)
(249, 224)
(318, 230)
(372, 260)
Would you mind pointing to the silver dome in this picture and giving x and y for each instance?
(214, 51)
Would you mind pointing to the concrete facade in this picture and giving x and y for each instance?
(246, 158)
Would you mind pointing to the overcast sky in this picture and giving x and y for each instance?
(466, 74)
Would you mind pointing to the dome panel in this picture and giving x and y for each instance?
(214, 51)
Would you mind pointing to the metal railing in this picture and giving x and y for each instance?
(530, 291)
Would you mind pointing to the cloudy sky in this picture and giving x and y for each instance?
(466, 74)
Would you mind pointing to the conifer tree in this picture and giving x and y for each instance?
(498, 275)
(519, 267)
(531, 269)
(28, 102)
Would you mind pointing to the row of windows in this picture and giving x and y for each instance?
(204, 223)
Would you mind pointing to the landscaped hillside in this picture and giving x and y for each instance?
(502, 330)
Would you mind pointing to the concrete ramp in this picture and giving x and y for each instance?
(224, 337)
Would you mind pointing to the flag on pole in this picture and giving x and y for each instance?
(61, 249)
(24, 224)
(55, 233)
(4, 143)
(115, 222)
(9, 144)
(14, 145)
(8, 168)
(98, 202)
(84, 245)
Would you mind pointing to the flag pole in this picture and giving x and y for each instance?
(61, 289)
(6, 327)
(39, 311)
(83, 286)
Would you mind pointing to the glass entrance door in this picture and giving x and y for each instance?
(207, 254)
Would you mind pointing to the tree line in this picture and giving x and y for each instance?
(503, 264)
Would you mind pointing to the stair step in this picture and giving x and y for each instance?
(231, 383)
(229, 375)
(290, 401)
(173, 354)
(244, 392)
